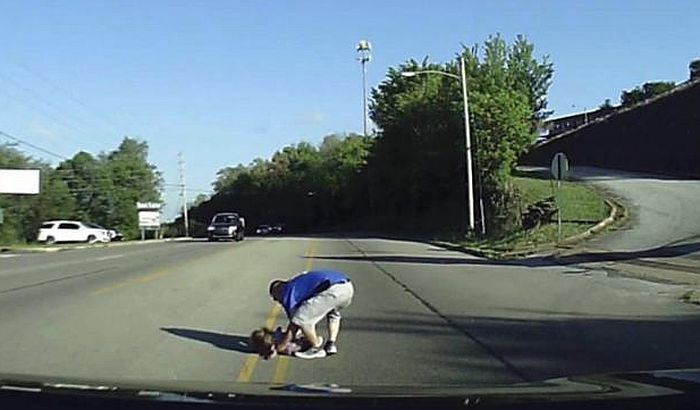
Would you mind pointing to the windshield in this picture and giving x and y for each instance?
(220, 219)
(354, 193)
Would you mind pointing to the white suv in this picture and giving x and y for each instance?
(71, 231)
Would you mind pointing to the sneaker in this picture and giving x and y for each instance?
(313, 353)
(330, 348)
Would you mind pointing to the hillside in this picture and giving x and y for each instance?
(661, 135)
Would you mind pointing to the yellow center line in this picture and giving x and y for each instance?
(251, 361)
(280, 371)
(282, 363)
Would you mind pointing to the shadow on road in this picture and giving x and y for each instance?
(223, 341)
(532, 262)
(542, 346)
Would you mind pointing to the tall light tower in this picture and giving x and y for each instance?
(364, 54)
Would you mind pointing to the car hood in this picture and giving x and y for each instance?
(679, 386)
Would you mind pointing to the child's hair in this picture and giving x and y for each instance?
(262, 341)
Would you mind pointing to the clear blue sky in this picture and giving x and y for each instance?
(227, 81)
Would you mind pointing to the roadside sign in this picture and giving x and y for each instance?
(149, 219)
(148, 206)
(560, 166)
(19, 181)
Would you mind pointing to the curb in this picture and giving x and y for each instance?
(48, 249)
(614, 211)
(617, 212)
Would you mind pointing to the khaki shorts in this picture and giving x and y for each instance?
(326, 304)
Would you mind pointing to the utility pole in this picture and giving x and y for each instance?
(183, 192)
(364, 54)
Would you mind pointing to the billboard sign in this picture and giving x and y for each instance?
(19, 181)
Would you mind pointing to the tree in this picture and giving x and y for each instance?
(694, 68)
(101, 189)
(55, 200)
(199, 199)
(133, 180)
(16, 208)
(646, 91)
(531, 76)
(420, 150)
(24, 213)
(225, 177)
(606, 105)
(303, 185)
(90, 184)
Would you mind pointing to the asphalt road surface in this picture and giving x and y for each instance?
(421, 314)
(664, 210)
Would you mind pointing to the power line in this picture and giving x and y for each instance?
(73, 177)
(67, 171)
(50, 115)
(57, 114)
(29, 144)
(70, 96)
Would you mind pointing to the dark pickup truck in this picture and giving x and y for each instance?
(226, 225)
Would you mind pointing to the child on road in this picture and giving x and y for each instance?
(264, 340)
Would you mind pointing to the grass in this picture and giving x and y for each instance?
(581, 208)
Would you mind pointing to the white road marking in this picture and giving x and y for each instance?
(8, 256)
(106, 258)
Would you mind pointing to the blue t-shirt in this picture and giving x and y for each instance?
(303, 286)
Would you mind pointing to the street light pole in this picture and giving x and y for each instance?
(467, 137)
(462, 78)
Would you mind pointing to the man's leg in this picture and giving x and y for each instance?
(316, 350)
(333, 320)
(311, 336)
(327, 303)
(343, 297)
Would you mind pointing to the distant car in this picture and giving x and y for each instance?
(263, 230)
(51, 232)
(114, 235)
(277, 228)
(226, 225)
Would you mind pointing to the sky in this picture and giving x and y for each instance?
(224, 82)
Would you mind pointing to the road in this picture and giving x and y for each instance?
(664, 210)
(661, 242)
(421, 315)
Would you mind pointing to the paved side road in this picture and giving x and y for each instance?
(664, 210)
(661, 242)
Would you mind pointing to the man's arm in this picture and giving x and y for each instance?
(287, 338)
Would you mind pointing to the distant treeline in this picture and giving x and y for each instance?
(102, 189)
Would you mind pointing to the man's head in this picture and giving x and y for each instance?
(276, 289)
